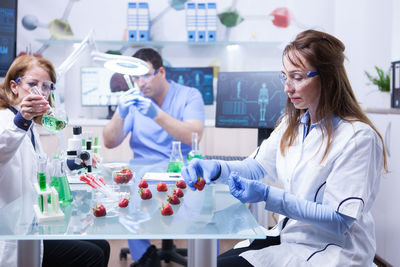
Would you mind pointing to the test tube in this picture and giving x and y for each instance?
(41, 172)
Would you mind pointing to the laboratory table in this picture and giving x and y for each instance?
(202, 217)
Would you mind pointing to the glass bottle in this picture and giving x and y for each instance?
(195, 152)
(60, 182)
(176, 159)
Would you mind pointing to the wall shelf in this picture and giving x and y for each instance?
(160, 44)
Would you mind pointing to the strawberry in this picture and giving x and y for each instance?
(178, 192)
(199, 185)
(123, 176)
(162, 187)
(128, 173)
(123, 203)
(99, 210)
(174, 200)
(181, 184)
(143, 184)
(145, 193)
(166, 210)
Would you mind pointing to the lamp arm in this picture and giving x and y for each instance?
(74, 56)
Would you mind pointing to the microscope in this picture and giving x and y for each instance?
(79, 153)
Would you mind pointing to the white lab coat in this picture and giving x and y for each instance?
(17, 172)
(347, 180)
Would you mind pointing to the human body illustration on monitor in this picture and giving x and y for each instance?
(199, 78)
(249, 99)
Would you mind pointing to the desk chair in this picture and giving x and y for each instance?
(168, 252)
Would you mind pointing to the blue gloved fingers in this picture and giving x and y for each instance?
(247, 191)
(146, 106)
(189, 174)
(124, 102)
(235, 185)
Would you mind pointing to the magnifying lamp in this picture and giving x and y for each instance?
(116, 63)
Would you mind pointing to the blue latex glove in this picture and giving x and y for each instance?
(247, 191)
(207, 169)
(125, 101)
(146, 106)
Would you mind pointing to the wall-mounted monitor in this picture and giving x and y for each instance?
(8, 34)
(96, 84)
(249, 100)
(200, 78)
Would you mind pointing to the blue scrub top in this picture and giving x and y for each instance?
(149, 140)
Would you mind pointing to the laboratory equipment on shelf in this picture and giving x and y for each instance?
(176, 160)
(195, 152)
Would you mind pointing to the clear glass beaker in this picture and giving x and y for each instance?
(195, 152)
(60, 182)
(176, 159)
(55, 119)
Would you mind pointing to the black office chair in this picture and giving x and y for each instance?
(168, 252)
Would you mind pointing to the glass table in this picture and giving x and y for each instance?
(201, 217)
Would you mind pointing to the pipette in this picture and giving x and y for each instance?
(35, 90)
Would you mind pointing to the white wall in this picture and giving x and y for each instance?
(367, 27)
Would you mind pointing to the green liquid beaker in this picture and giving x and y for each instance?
(60, 183)
(191, 156)
(175, 159)
(195, 152)
(53, 124)
(175, 166)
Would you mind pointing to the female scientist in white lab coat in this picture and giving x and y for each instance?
(327, 156)
(19, 148)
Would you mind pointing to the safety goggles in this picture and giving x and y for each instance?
(297, 79)
(147, 77)
(45, 86)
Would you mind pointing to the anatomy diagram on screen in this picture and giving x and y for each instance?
(263, 100)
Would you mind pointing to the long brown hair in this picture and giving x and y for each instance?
(18, 69)
(326, 54)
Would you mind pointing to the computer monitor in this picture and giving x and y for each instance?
(8, 34)
(200, 78)
(96, 87)
(101, 87)
(249, 100)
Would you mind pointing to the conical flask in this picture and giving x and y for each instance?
(195, 152)
(60, 182)
(176, 159)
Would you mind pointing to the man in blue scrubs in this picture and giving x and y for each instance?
(161, 112)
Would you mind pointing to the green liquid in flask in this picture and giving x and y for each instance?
(191, 156)
(53, 124)
(62, 186)
(175, 166)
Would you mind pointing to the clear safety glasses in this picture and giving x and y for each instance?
(297, 79)
(146, 78)
(45, 86)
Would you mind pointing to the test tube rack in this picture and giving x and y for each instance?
(44, 211)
